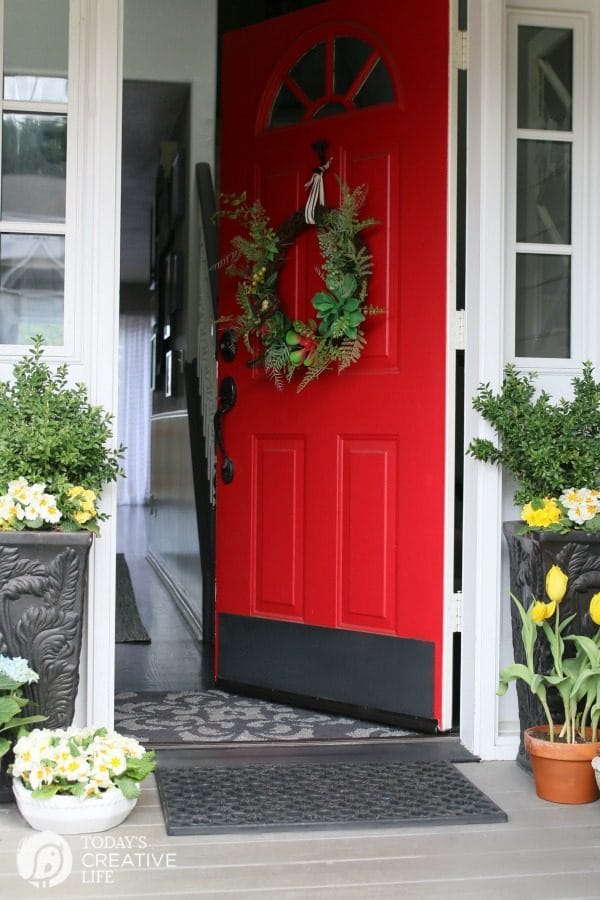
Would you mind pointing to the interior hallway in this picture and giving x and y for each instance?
(175, 660)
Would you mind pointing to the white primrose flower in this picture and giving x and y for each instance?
(71, 756)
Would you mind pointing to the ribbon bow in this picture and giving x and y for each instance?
(316, 192)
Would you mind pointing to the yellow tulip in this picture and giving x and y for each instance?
(550, 609)
(538, 611)
(595, 609)
(556, 583)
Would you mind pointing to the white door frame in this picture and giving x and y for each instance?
(97, 238)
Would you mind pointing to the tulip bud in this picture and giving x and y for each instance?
(595, 609)
(556, 583)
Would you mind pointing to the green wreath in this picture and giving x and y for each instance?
(334, 337)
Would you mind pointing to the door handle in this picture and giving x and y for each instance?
(228, 345)
(227, 398)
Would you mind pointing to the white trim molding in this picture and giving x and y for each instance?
(484, 357)
(97, 280)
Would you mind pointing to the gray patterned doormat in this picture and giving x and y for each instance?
(184, 717)
(275, 796)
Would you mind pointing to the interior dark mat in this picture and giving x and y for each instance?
(129, 627)
(217, 799)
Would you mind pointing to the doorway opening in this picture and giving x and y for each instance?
(184, 667)
(157, 570)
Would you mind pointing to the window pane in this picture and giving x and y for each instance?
(543, 306)
(330, 109)
(350, 56)
(32, 270)
(287, 109)
(34, 150)
(36, 44)
(545, 79)
(309, 72)
(544, 192)
(29, 88)
(377, 87)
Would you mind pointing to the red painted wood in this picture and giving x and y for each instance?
(335, 515)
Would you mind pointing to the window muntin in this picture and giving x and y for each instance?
(33, 164)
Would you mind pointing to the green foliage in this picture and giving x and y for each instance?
(547, 445)
(51, 433)
(576, 677)
(335, 336)
(12, 723)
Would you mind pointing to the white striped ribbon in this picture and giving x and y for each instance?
(316, 193)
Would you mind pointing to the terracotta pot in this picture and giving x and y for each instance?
(562, 772)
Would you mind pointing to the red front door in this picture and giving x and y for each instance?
(330, 537)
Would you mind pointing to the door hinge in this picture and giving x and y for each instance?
(461, 50)
(458, 330)
(457, 606)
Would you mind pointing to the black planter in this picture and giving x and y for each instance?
(531, 555)
(43, 582)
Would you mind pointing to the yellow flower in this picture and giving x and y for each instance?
(81, 516)
(595, 609)
(556, 583)
(538, 611)
(541, 518)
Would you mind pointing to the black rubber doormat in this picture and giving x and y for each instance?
(219, 799)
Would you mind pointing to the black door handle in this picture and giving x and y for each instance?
(227, 398)
(228, 345)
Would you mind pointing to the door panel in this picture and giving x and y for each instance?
(330, 538)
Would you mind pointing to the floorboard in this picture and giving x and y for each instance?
(544, 852)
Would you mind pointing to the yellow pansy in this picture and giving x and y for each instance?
(556, 583)
(595, 609)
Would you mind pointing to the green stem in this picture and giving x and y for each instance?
(549, 718)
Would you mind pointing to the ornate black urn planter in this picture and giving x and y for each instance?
(43, 582)
(531, 555)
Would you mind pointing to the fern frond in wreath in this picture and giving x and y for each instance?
(334, 337)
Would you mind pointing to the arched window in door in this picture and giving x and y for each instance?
(336, 74)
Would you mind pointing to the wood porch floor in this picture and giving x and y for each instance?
(544, 851)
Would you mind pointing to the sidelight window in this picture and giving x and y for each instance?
(33, 165)
(542, 157)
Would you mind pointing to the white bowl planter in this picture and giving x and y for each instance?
(72, 815)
